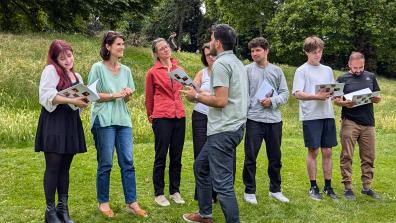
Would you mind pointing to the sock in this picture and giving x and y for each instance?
(313, 183)
(327, 183)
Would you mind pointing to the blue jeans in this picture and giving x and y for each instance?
(106, 139)
(214, 166)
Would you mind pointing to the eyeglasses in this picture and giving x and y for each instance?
(163, 48)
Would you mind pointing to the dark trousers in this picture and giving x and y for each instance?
(199, 129)
(168, 133)
(214, 168)
(272, 135)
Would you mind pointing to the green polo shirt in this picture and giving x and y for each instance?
(114, 112)
(228, 71)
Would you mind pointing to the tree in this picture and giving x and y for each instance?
(298, 19)
(69, 15)
(180, 16)
(249, 18)
(345, 25)
(112, 12)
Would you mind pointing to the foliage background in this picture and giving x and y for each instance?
(345, 25)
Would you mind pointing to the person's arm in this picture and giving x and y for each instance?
(48, 94)
(298, 89)
(321, 95)
(283, 93)
(220, 89)
(339, 101)
(198, 78)
(130, 87)
(149, 95)
(376, 99)
(218, 100)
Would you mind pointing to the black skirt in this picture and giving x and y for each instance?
(60, 131)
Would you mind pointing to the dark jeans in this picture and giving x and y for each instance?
(272, 135)
(214, 166)
(168, 133)
(56, 176)
(199, 129)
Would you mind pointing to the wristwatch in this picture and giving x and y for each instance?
(196, 96)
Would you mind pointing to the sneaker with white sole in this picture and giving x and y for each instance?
(162, 201)
(279, 196)
(176, 197)
(250, 198)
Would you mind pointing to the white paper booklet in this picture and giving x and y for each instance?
(265, 91)
(361, 97)
(183, 78)
(80, 90)
(336, 89)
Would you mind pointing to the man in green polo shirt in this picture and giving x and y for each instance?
(228, 104)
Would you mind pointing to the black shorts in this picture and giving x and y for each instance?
(320, 133)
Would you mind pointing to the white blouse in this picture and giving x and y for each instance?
(47, 89)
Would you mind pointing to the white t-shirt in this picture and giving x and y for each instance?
(305, 79)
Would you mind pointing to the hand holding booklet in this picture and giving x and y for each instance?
(265, 91)
(183, 78)
(336, 89)
(361, 97)
(80, 90)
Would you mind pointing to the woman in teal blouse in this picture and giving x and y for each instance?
(111, 124)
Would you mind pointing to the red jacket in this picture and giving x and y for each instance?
(162, 93)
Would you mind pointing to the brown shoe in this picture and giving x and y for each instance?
(196, 218)
(107, 213)
(136, 210)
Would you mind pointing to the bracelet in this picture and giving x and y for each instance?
(196, 96)
(111, 96)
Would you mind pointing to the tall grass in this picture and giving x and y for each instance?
(24, 57)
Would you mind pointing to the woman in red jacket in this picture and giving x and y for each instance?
(166, 113)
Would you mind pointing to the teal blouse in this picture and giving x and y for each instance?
(114, 112)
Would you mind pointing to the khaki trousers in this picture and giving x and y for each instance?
(365, 136)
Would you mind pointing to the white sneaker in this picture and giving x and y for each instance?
(279, 196)
(177, 198)
(161, 201)
(250, 198)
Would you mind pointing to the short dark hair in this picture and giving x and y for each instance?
(258, 42)
(226, 35)
(203, 56)
(109, 38)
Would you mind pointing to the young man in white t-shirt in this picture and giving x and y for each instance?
(316, 114)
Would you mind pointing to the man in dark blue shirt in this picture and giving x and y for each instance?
(358, 126)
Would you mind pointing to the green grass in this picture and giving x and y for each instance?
(21, 170)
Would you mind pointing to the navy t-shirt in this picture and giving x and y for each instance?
(364, 114)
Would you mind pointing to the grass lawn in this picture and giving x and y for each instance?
(22, 195)
(21, 170)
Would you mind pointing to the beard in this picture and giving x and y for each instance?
(357, 73)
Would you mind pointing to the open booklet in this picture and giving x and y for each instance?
(336, 89)
(361, 97)
(183, 78)
(80, 90)
(265, 91)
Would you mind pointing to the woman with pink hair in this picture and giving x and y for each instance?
(60, 133)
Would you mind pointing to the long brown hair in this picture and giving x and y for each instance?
(57, 47)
